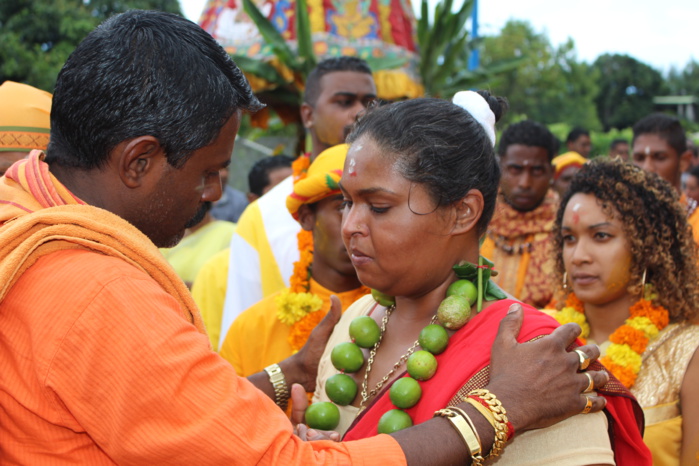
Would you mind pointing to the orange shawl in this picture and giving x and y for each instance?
(38, 216)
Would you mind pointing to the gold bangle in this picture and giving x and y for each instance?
(483, 410)
(465, 430)
(500, 416)
(470, 423)
(278, 381)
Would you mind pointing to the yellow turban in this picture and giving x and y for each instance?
(321, 180)
(24, 117)
(566, 160)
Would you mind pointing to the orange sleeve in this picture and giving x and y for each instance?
(143, 384)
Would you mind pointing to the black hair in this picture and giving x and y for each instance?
(575, 133)
(331, 65)
(616, 142)
(694, 171)
(528, 133)
(439, 145)
(144, 73)
(664, 126)
(258, 177)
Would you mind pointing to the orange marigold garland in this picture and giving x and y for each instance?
(628, 342)
(299, 167)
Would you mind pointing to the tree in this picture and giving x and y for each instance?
(38, 35)
(627, 89)
(685, 82)
(549, 85)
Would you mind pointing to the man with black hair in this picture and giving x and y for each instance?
(263, 247)
(266, 173)
(660, 146)
(518, 239)
(104, 356)
(578, 140)
(619, 148)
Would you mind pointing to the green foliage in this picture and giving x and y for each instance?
(686, 81)
(627, 88)
(600, 140)
(38, 35)
(445, 46)
(549, 84)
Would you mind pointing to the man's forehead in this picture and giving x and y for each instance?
(348, 83)
(651, 143)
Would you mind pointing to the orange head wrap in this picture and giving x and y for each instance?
(24, 117)
(566, 160)
(321, 180)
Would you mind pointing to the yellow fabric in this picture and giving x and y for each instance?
(24, 117)
(694, 223)
(565, 160)
(252, 231)
(664, 439)
(320, 180)
(209, 292)
(194, 250)
(257, 338)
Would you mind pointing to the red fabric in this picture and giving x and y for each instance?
(460, 362)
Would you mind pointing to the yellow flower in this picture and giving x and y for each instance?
(569, 314)
(624, 356)
(292, 307)
(644, 324)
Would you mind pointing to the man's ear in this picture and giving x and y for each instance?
(468, 211)
(138, 158)
(685, 161)
(307, 115)
(307, 217)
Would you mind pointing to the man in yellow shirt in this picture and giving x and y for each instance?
(660, 146)
(263, 247)
(279, 325)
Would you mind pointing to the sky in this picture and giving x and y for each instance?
(661, 34)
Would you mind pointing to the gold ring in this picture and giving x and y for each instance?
(588, 406)
(584, 360)
(590, 385)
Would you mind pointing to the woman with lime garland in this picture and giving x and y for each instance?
(420, 184)
(627, 264)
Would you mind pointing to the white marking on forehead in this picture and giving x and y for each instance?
(355, 148)
(576, 207)
(647, 150)
(352, 165)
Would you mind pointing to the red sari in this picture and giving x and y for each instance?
(462, 368)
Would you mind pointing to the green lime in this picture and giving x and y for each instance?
(405, 392)
(323, 416)
(382, 298)
(341, 388)
(434, 338)
(394, 420)
(347, 357)
(364, 331)
(454, 311)
(422, 365)
(464, 288)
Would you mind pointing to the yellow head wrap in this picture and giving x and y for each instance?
(24, 117)
(321, 180)
(564, 161)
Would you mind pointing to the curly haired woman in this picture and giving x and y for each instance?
(628, 267)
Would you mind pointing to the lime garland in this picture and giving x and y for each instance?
(421, 365)
(629, 341)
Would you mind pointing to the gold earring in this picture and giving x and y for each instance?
(565, 280)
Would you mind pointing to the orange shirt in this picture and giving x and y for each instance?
(97, 366)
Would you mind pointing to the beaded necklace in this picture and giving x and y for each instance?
(629, 341)
(453, 313)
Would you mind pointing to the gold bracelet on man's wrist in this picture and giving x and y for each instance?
(278, 381)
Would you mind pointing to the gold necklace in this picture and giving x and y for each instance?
(372, 354)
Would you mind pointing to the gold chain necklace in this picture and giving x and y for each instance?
(372, 354)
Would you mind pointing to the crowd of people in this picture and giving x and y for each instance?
(437, 293)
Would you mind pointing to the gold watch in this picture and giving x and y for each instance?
(278, 381)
